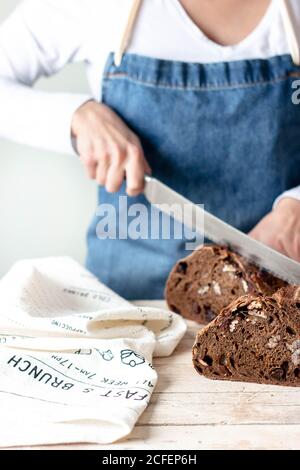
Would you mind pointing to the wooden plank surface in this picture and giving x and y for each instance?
(185, 437)
(190, 412)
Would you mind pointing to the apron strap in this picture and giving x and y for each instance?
(291, 27)
(125, 39)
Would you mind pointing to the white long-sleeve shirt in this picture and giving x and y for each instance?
(41, 36)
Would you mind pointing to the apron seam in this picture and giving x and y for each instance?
(152, 83)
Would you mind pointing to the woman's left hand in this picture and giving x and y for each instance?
(280, 229)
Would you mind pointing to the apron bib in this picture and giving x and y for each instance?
(225, 135)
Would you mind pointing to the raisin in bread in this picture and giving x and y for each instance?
(255, 339)
(201, 284)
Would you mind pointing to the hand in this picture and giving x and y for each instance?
(108, 149)
(280, 229)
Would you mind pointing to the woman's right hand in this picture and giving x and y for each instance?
(108, 149)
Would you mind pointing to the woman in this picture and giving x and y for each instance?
(197, 92)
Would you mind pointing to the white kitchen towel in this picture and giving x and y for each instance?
(75, 358)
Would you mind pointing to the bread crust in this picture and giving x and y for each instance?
(254, 339)
(209, 279)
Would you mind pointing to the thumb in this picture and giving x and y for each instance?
(254, 233)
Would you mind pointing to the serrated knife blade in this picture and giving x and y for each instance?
(220, 232)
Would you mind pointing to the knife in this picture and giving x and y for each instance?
(220, 232)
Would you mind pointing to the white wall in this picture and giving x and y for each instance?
(46, 201)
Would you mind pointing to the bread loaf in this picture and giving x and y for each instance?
(254, 339)
(206, 281)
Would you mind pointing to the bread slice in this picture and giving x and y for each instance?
(209, 279)
(254, 339)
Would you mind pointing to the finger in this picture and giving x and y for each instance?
(262, 234)
(115, 178)
(291, 246)
(254, 233)
(86, 155)
(274, 242)
(135, 170)
(102, 168)
(90, 165)
(280, 247)
(116, 171)
(296, 246)
(136, 143)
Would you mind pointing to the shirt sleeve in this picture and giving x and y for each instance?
(38, 39)
(294, 193)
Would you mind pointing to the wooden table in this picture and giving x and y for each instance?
(190, 412)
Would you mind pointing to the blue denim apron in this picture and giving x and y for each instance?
(225, 135)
